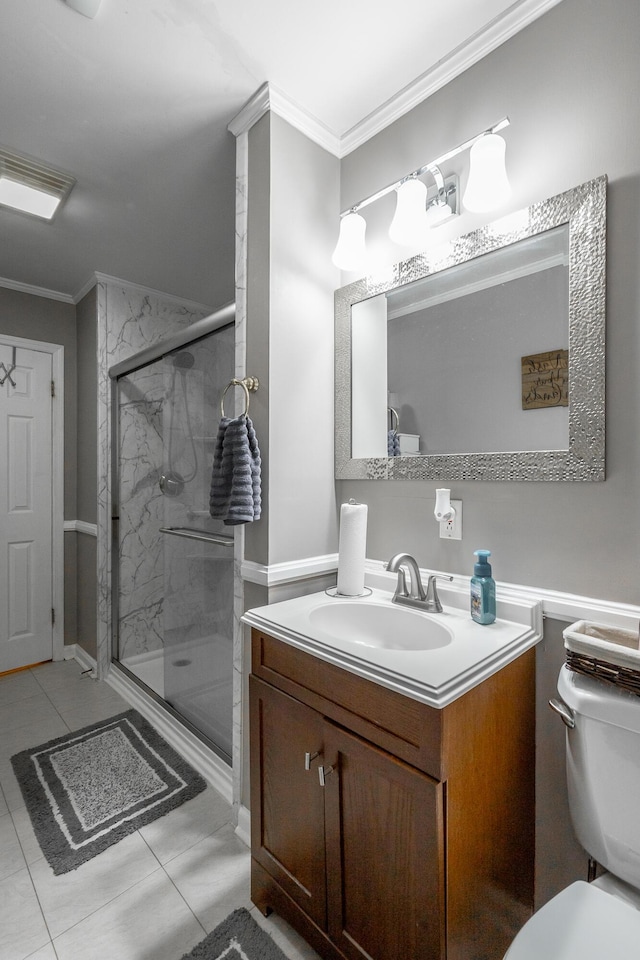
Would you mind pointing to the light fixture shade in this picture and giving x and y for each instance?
(409, 226)
(350, 252)
(488, 186)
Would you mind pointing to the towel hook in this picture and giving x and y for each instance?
(247, 384)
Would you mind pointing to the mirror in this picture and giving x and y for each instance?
(482, 359)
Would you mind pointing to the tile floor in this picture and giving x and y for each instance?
(152, 896)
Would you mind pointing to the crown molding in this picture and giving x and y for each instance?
(36, 291)
(269, 98)
(96, 278)
(501, 29)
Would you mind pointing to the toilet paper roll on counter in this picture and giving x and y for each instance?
(352, 549)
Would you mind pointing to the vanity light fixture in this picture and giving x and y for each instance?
(415, 214)
(488, 185)
(410, 226)
(350, 251)
(30, 187)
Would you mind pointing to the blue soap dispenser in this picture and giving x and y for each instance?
(483, 589)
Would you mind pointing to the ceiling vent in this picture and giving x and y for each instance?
(31, 187)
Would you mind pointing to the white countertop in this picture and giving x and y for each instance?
(436, 676)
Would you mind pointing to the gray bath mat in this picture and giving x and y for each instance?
(237, 938)
(91, 788)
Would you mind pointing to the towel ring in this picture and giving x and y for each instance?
(394, 416)
(247, 384)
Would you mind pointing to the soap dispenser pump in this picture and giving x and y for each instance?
(483, 589)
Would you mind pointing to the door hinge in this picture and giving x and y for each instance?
(53, 617)
(53, 388)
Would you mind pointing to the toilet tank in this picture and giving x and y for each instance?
(603, 772)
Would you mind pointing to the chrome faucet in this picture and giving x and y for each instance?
(414, 595)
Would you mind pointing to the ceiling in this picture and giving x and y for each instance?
(135, 105)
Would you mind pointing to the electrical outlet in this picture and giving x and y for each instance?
(452, 529)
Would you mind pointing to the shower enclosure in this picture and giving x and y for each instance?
(172, 563)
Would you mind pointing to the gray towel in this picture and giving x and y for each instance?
(393, 444)
(235, 495)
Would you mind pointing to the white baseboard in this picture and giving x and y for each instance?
(243, 829)
(201, 758)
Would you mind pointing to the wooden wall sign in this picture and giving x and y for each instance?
(545, 380)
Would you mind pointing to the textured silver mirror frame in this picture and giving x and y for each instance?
(584, 209)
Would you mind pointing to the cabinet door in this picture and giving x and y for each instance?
(385, 853)
(287, 801)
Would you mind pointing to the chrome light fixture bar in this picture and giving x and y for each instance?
(31, 187)
(415, 213)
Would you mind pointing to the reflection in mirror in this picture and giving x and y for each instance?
(487, 362)
(455, 347)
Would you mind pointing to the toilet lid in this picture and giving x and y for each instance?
(581, 923)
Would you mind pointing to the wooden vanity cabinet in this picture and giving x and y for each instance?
(419, 845)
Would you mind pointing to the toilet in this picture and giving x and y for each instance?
(599, 920)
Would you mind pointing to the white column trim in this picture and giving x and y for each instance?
(241, 228)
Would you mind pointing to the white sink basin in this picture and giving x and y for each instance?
(380, 625)
(432, 657)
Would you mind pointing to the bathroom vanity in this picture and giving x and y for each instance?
(386, 824)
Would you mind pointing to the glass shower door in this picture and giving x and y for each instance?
(175, 563)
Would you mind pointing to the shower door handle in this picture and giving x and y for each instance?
(190, 534)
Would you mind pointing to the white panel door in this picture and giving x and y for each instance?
(26, 632)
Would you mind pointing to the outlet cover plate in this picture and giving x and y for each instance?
(452, 529)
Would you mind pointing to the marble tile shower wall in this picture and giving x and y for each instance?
(172, 590)
(140, 603)
(128, 320)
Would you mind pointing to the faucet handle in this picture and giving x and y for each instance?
(432, 591)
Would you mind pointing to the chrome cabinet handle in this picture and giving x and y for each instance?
(323, 773)
(308, 757)
(566, 714)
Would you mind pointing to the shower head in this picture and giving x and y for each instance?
(183, 360)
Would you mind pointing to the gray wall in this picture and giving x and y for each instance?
(293, 190)
(569, 83)
(559, 858)
(51, 321)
